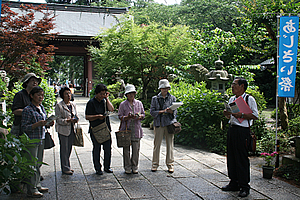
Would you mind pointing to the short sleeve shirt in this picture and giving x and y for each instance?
(21, 100)
(94, 107)
(253, 106)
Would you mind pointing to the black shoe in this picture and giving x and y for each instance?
(99, 172)
(230, 188)
(108, 170)
(244, 193)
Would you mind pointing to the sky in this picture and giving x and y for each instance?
(166, 2)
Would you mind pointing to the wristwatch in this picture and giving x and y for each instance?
(242, 115)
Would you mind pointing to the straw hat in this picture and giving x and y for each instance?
(129, 88)
(164, 83)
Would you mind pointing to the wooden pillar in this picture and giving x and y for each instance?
(89, 74)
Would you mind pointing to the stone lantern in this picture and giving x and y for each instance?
(218, 77)
(122, 87)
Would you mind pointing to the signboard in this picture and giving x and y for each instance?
(288, 44)
(0, 7)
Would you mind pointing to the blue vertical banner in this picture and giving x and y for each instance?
(0, 8)
(288, 45)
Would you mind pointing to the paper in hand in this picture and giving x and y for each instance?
(232, 107)
(175, 105)
(50, 119)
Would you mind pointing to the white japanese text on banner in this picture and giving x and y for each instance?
(288, 44)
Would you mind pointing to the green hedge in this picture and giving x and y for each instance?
(201, 115)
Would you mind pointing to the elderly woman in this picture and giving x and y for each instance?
(95, 112)
(33, 124)
(131, 112)
(66, 114)
(163, 116)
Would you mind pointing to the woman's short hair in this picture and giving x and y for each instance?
(100, 87)
(62, 91)
(34, 90)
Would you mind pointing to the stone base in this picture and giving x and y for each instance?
(291, 159)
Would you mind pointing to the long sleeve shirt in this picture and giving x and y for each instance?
(125, 109)
(164, 119)
(30, 115)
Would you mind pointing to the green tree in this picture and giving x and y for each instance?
(218, 13)
(67, 68)
(210, 45)
(141, 53)
(262, 15)
(145, 13)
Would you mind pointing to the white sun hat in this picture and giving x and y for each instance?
(129, 88)
(164, 83)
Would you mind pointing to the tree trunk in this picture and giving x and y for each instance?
(283, 113)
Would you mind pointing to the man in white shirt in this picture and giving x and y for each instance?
(238, 138)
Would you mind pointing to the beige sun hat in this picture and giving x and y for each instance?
(164, 83)
(28, 76)
(129, 88)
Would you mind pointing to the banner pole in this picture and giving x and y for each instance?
(278, 19)
(277, 67)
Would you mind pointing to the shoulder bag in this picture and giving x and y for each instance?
(101, 132)
(174, 128)
(251, 145)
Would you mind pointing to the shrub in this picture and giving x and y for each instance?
(116, 102)
(201, 116)
(294, 127)
(202, 109)
(14, 166)
(148, 119)
(48, 103)
(267, 142)
(289, 172)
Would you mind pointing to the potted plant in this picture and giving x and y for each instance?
(268, 168)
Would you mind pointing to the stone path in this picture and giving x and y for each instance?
(198, 174)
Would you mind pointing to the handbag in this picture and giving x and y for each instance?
(123, 137)
(174, 128)
(49, 143)
(252, 143)
(101, 132)
(78, 138)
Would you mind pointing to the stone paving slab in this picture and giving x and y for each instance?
(198, 174)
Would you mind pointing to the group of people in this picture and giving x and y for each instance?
(131, 112)
(30, 118)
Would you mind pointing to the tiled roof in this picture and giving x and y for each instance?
(79, 21)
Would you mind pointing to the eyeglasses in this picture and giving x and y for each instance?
(234, 84)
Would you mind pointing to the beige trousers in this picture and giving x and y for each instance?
(159, 133)
(131, 163)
